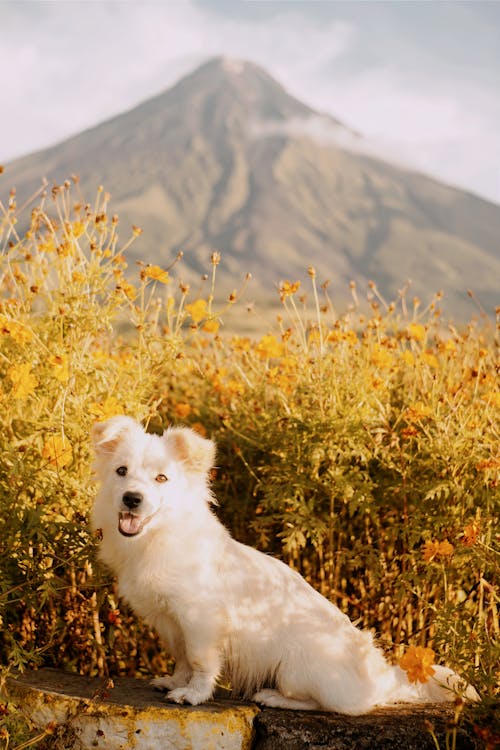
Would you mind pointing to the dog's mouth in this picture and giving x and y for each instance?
(130, 525)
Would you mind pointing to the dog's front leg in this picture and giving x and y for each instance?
(204, 658)
(171, 635)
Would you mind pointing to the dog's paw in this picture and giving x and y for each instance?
(268, 697)
(274, 699)
(187, 695)
(168, 682)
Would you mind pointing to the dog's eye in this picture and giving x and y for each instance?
(122, 471)
(161, 478)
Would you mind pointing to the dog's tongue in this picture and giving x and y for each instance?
(128, 524)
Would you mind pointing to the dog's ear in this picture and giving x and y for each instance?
(196, 452)
(107, 435)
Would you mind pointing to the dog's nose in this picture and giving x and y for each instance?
(132, 499)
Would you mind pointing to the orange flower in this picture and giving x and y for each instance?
(471, 534)
(182, 410)
(114, 617)
(288, 288)
(445, 548)
(431, 550)
(417, 663)
(57, 451)
(434, 550)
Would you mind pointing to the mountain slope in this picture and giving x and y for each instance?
(228, 160)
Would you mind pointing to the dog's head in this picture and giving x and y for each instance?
(147, 478)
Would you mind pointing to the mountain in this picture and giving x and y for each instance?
(226, 159)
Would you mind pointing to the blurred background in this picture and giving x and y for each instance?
(361, 137)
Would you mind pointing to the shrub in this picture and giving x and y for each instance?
(365, 452)
(362, 449)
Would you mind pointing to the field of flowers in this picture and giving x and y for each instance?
(362, 449)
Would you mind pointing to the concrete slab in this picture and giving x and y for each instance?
(129, 714)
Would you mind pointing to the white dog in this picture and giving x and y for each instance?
(222, 607)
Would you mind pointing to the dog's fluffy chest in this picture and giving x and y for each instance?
(169, 581)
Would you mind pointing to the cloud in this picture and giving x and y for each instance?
(66, 66)
(443, 127)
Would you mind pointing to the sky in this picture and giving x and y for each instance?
(419, 80)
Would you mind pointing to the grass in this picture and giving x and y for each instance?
(362, 449)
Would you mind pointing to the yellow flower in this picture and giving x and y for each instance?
(241, 343)
(197, 310)
(77, 228)
(417, 663)
(381, 358)
(60, 368)
(417, 412)
(65, 249)
(211, 325)
(234, 387)
(57, 451)
(24, 383)
(351, 337)
(408, 358)
(48, 246)
(20, 333)
(99, 355)
(416, 331)
(430, 359)
(269, 346)
(313, 336)
(128, 290)
(103, 410)
(156, 273)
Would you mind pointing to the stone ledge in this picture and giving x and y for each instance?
(131, 715)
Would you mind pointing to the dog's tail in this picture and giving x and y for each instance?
(443, 685)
